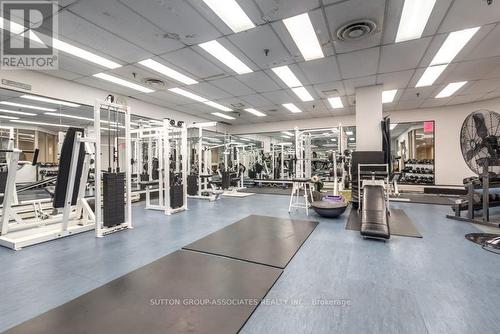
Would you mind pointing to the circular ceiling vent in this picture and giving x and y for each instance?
(356, 30)
(154, 83)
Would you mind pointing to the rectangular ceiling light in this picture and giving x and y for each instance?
(17, 112)
(83, 54)
(69, 116)
(453, 44)
(414, 18)
(221, 115)
(217, 106)
(450, 89)
(304, 36)
(349, 133)
(286, 137)
(47, 100)
(40, 123)
(16, 28)
(430, 75)
(122, 82)
(286, 75)
(187, 94)
(8, 117)
(255, 112)
(231, 13)
(167, 71)
(389, 95)
(288, 133)
(227, 58)
(203, 125)
(303, 94)
(336, 102)
(292, 107)
(27, 106)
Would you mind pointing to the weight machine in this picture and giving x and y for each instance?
(169, 143)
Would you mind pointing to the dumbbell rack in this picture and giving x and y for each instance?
(414, 166)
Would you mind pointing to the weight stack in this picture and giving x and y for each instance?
(3, 184)
(113, 199)
(226, 180)
(192, 186)
(176, 196)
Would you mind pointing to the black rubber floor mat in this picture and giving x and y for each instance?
(399, 223)
(184, 292)
(260, 239)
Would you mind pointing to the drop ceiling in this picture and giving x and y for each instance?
(169, 31)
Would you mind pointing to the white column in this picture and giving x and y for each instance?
(368, 118)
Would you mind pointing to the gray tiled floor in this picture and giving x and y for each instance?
(439, 284)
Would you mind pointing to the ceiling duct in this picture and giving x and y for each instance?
(356, 30)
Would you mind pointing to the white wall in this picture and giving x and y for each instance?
(368, 118)
(450, 165)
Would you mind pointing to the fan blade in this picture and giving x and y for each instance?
(469, 155)
(480, 124)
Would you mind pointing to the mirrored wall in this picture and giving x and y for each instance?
(413, 152)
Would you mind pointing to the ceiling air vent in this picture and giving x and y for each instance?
(154, 83)
(356, 30)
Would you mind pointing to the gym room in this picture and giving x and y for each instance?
(250, 166)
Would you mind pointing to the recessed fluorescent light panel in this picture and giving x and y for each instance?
(167, 71)
(286, 137)
(17, 112)
(349, 133)
(336, 102)
(304, 36)
(27, 106)
(217, 106)
(389, 95)
(450, 89)
(47, 100)
(255, 112)
(430, 75)
(227, 58)
(288, 133)
(69, 116)
(187, 94)
(292, 108)
(414, 18)
(453, 44)
(8, 117)
(16, 28)
(40, 123)
(303, 94)
(83, 54)
(221, 115)
(231, 13)
(123, 83)
(286, 75)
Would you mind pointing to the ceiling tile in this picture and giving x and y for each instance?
(402, 56)
(177, 18)
(482, 87)
(321, 70)
(91, 37)
(258, 81)
(253, 43)
(326, 90)
(487, 47)
(115, 17)
(208, 90)
(409, 104)
(279, 97)
(351, 84)
(276, 10)
(257, 100)
(465, 98)
(418, 94)
(359, 63)
(232, 86)
(471, 70)
(192, 62)
(348, 11)
(395, 80)
(466, 14)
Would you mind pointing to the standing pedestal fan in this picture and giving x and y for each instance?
(479, 138)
